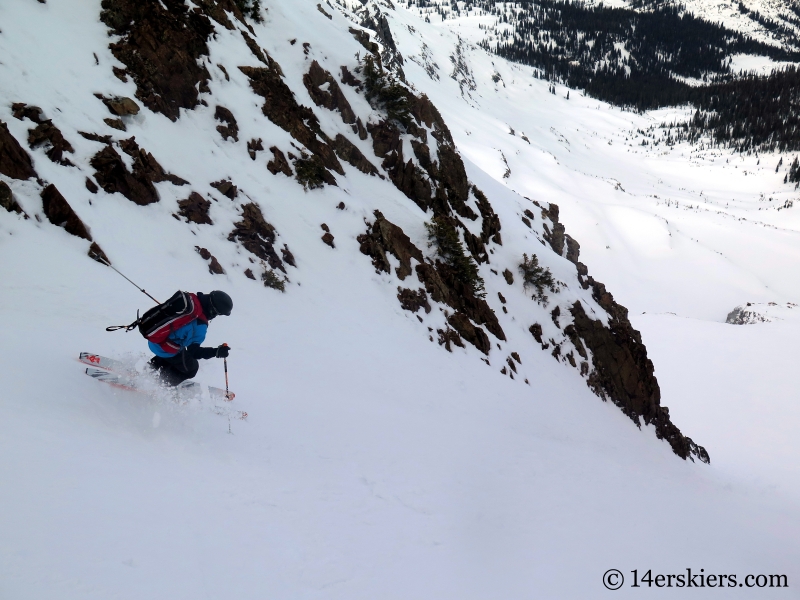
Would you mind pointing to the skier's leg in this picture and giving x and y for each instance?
(175, 369)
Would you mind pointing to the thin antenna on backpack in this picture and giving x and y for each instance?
(108, 264)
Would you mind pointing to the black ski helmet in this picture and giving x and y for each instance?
(221, 303)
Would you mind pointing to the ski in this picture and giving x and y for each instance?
(102, 362)
(125, 371)
(114, 379)
(189, 388)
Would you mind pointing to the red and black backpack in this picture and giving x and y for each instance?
(159, 322)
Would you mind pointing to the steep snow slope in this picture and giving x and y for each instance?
(374, 463)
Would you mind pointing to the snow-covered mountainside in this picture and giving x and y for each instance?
(417, 339)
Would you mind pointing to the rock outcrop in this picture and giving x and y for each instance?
(229, 129)
(195, 209)
(14, 161)
(60, 213)
(440, 281)
(162, 44)
(7, 200)
(281, 107)
(113, 176)
(257, 236)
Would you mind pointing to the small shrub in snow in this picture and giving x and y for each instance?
(273, 280)
(536, 277)
(444, 237)
(250, 8)
(384, 92)
(310, 172)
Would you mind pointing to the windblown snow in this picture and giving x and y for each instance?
(374, 463)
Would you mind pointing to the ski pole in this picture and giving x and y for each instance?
(225, 362)
(108, 264)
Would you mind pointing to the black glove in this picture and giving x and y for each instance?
(223, 351)
(198, 352)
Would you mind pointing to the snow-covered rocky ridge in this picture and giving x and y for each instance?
(374, 442)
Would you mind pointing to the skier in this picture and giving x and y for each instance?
(175, 359)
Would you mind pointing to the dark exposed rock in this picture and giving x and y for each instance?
(120, 106)
(44, 134)
(331, 98)
(219, 12)
(384, 236)
(60, 213)
(279, 164)
(249, 274)
(362, 37)
(621, 369)
(230, 128)
(322, 10)
(555, 238)
(624, 373)
(226, 188)
(325, 228)
(213, 266)
(502, 298)
(282, 109)
(14, 161)
(47, 134)
(449, 336)
(405, 175)
(413, 300)
(288, 257)
(115, 124)
(476, 247)
(146, 164)
(536, 331)
(340, 206)
(327, 238)
(527, 222)
(257, 52)
(253, 146)
(22, 111)
(162, 43)
(453, 177)
(573, 254)
(113, 176)
(573, 336)
(528, 214)
(385, 138)
(256, 235)
(556, 312)
(96, 253)
(195, 209)
(349, 79)
(443, 285)
(378, 23)
(121, 74)
(509, 277)
(93, 137)
(360, 129)
(471, 333)
(490, 228)
(349, 153)
(516, 357)
(7, 200)
(91, 186)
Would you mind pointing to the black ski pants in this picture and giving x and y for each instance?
(175, 369)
